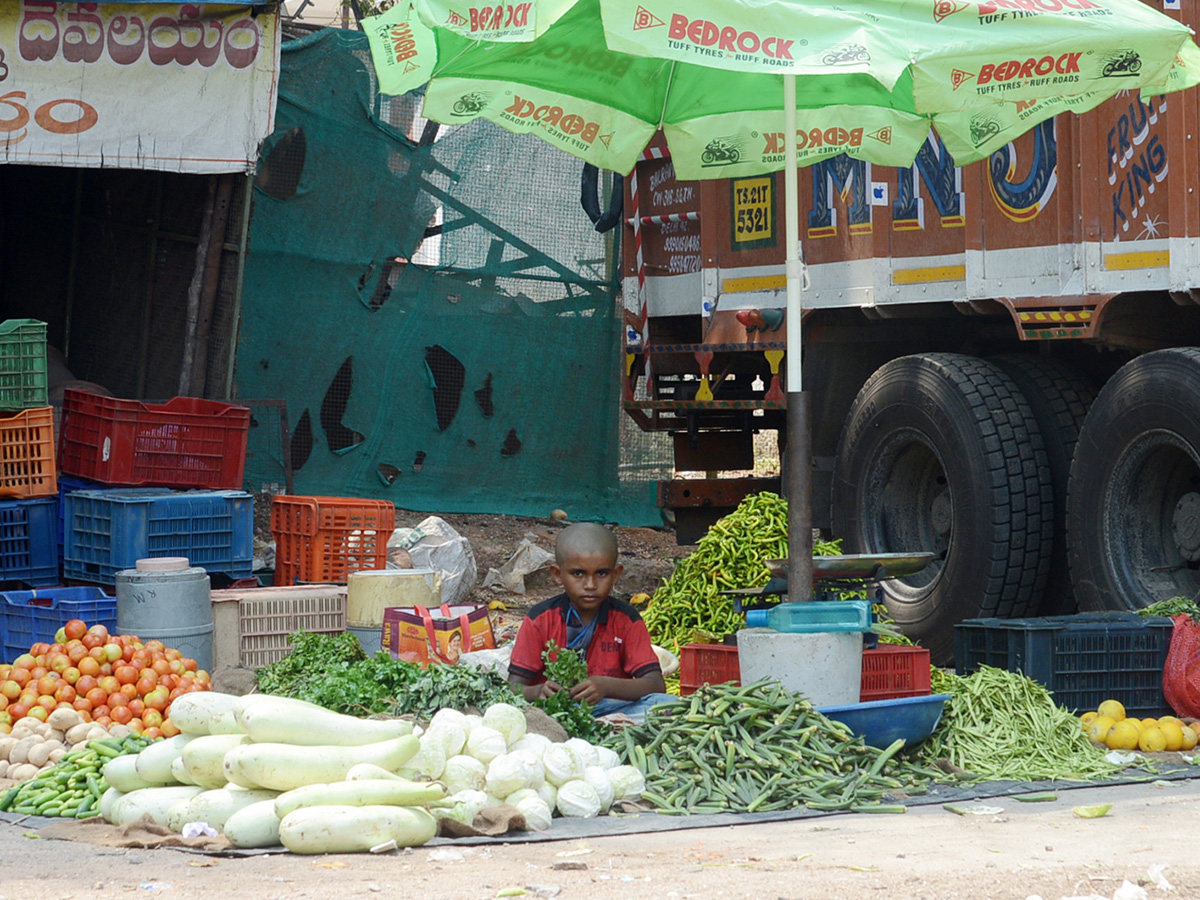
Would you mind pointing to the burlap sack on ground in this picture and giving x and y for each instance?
(489, 822)
(142, 834)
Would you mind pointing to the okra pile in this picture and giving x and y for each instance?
(732, 554)
(72, 788)
(760, 748)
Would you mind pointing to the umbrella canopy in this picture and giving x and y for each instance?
(744, 87)
(598, 79)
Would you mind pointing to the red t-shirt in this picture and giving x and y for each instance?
(620, 645)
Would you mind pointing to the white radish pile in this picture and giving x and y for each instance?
(267, 770)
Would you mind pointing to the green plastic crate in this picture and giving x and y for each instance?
(22, 364)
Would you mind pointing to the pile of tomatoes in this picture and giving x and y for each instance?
(109, 679)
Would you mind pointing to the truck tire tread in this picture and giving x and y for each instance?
(971, 416)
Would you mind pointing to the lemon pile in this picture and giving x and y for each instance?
(1108, 725)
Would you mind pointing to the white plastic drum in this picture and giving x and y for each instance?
(167, 600)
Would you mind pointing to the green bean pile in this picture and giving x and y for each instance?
(760, 748)
(1000, 725)
(731, 555)
(71, 788)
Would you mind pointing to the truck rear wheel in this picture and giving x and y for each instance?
(1133, 507)
(941, 452)
(1059, 396)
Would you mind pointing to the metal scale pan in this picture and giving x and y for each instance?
(859, 566)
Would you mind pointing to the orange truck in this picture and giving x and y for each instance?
(1003, 359)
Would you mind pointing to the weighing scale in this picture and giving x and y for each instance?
(833, 577)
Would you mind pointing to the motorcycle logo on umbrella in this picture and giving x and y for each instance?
(983, 127)
(1124, 64)
(847, 55)
(721, 152)
(470, 104)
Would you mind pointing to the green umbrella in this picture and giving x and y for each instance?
(745, 87)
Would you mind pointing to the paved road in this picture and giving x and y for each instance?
(1025, 850)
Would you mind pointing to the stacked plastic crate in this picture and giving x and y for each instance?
(28, 482)
(888, 670)
(153, 480)
(324, 539)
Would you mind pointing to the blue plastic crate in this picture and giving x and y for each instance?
(28, 552)
(1082, 659)
(107, 531)
(68, 484)
(32, 616)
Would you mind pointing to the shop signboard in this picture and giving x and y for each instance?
(179, 87)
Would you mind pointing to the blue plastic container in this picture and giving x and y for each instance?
(28, 551)
(68, 484)
(881, 722)
(31, 616)
(1082, 659)
(107, 531)
(813, 617)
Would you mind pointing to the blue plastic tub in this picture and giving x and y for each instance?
(28, 550)
(110, 530)
(69, 484)
(883, 721)
(27, 617)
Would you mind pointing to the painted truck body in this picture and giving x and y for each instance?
(1003, 358)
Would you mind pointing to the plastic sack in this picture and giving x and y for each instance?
(1181, 672)
(526, 559)
(493, 660)
(434, 544)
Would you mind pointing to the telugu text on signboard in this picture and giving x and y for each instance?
(182, 87)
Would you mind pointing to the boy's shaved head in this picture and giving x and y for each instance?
(584, 538)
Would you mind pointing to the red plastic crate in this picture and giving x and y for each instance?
(27, 455)
(183, 443)
(891, 670)
(701, 664)
(324, 539)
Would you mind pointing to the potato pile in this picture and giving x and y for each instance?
(34, 745)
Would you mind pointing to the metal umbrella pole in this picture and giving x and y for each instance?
(798, 474)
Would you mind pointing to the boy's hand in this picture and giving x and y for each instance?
(547, 688)
(591, 690)
(606, 687)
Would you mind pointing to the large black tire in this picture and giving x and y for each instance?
(1059, 396)
(941, 452)
(1133, 505)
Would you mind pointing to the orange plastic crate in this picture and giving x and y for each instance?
(324, 539)
(701, 664)
(891, 670)
(27, 455)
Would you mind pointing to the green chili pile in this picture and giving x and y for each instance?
(689, 605)
(1001, 726)
(760, 748)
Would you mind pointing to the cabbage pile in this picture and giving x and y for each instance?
(490, 759)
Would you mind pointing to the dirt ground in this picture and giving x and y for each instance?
(647, 554)
(1025, 850)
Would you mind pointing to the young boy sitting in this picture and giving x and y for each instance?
(624, 675)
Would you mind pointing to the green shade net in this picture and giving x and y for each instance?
(439, 315)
